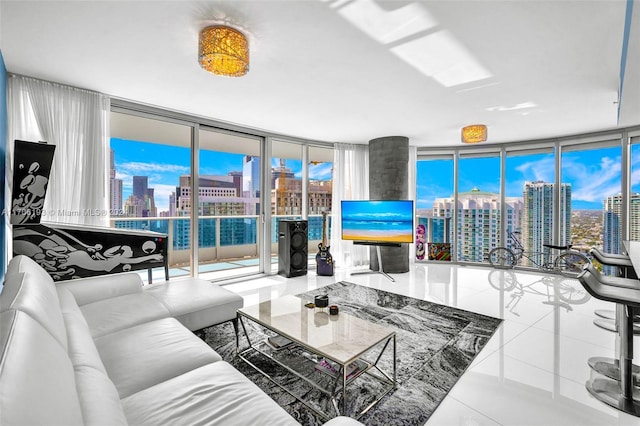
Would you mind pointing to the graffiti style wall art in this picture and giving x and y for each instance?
(31, 169)
(440, 251)
(72, 251)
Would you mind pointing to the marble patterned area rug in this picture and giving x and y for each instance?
(435, 345)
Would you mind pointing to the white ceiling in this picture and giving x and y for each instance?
(349, 70)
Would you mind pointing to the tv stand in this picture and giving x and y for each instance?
(380, 269)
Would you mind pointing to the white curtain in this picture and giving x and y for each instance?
(77, 122)
(350, 182)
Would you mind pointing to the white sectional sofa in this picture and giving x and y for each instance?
(105, 351)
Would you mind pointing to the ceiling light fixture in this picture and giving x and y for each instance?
(223, 51)
(474, 133)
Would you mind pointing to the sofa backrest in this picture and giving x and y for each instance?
(22, 263)
(37, 381)
(28, 292)
(50, 370)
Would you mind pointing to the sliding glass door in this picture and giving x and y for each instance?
(228, 203)
(150, 160)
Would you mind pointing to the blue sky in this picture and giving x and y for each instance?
(164, 164)
(593, 174)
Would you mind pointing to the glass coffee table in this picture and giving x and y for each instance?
(328, 352)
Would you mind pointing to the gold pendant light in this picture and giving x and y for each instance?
(474, 133)
(223, 51)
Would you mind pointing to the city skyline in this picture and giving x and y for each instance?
(164, 164)
(593, 174)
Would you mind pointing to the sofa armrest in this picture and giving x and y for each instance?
(93, 289)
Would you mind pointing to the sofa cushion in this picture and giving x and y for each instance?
(118, 313)
(197, 303)
(99, 399)
(37, 381)
(81, 348)
(28, 292)
(150, 353)
(93, 289)
(215, 394)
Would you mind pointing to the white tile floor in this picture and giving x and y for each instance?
(533, 370)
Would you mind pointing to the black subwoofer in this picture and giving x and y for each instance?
(292, 248)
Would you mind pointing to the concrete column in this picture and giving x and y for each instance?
(389, 180)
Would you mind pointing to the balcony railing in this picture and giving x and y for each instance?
(220, 238)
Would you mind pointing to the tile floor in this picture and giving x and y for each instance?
(533, 370)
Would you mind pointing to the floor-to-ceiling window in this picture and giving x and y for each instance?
(478, 205)
(153, 188)
(228, 203)
(576, 197)
(529, 182)
(634, 195)
(590, 198)
(286, 189)
(319, 191)
(149, 161)
(434, 207)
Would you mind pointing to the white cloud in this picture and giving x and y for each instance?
(126, 179)
(593, 182)
(161, 195)
(542, 169)
(138, 168)
(321, 171)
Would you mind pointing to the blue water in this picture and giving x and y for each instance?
(372, 230)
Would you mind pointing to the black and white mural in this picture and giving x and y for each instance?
(67, 252)
(31, 169)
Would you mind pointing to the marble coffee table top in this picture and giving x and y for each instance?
(341, 337)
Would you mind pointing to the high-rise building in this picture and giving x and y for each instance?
(612, 231)
(287, 199)
(115, 195)
(634, 217)
(251, 177)
(140, 186)
(112, 162)
(278, 172)
(478, 221)
(141, 202)
(217, 196)
(539, 212)
(237, 182)
(172, 204)
(115, 186)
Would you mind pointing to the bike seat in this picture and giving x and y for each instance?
(551, 246)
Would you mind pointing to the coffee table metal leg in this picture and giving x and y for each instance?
(375, 364)
(244, 329)
(344, 389)
(237, 332)
(395, 380)
(334, 395)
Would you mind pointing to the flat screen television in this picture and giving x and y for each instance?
(384, 221)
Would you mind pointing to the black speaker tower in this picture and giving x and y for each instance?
(292, 248)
